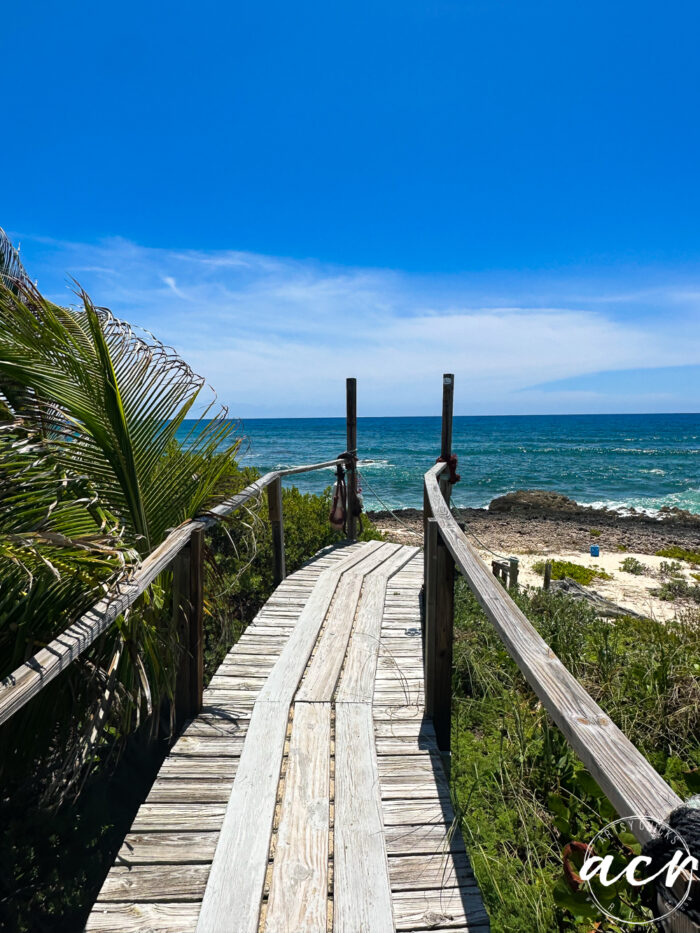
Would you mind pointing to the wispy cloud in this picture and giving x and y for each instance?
(277, 336)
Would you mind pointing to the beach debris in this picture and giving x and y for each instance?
(603, 607)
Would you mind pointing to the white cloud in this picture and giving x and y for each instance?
(278, 336)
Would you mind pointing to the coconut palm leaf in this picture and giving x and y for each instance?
(105, 414)
(12, 272)
(115, 402)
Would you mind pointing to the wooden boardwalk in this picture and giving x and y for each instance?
(308, 795)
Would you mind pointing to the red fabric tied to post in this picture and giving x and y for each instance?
(451, 462)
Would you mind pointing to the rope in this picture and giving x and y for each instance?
(684, 820)
(464, 526)
(386, 507)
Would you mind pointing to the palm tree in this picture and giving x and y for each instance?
(98, 460)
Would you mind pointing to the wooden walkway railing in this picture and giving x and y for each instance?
(182, 550)
(631, 784)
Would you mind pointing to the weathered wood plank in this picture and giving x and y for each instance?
(322, 676)
(423, 839)
(285, 676)
(232, 897)
(155, 918)
(167, 848)
(298, 898)
(194, 768)
(217, 746)
(170, 817)
(194, 791)
(153, 883)
(422, 872)
(357, 683)
(362, 895)
(436, 909)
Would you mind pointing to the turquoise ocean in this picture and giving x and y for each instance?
(619, 461)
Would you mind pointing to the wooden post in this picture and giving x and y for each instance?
(188, 601)
(448, 391)
(430, 603)
(427, 514)
(274, 510)
(513, 572)
(351, 429)
(444, 635)
(547, 575)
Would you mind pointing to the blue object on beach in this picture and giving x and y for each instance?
(595, 550)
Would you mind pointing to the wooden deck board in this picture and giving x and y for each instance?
(369, 846)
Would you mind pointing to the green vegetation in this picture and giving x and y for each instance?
(58, 873)
(678, 588)
(672, 568)
(577, 572)
(622, 548)
(521, 793)
(632, 565)
(680, 553)
(92, 478)
(595, 532)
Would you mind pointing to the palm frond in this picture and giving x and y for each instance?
(12, 272)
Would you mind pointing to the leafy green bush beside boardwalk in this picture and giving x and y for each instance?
(521, 793)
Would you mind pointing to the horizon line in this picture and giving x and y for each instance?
(579, 414)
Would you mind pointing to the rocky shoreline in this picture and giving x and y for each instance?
(532, 521)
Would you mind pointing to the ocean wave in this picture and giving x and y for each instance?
(375, 464)
(650, 505)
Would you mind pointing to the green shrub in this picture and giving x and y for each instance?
(577, 572)
(595, 532)
(671, 568)
(680, 553)
(622, 548)
(632, 565)
(678, 588)
(521, 793)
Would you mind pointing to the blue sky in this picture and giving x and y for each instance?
(293, 193)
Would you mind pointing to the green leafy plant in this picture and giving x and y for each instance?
(577, 572)
(671, 568)
(595, 532)
(680, 553)
(678, 588)
(632, 565)
(98, 408)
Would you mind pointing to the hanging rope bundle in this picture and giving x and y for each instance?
(685, 821)
(339, 512)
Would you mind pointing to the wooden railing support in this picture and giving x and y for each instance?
(188, 603)
(513, 567)
(439, 628)
(274, 511)
(427, 514)
(624, 775)
(351, 432)
(448, 393)
(547, 575)
(429, 606)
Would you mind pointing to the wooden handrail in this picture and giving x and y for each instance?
(628, 780)
(31, 677)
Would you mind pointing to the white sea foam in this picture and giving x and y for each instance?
(650, 505)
